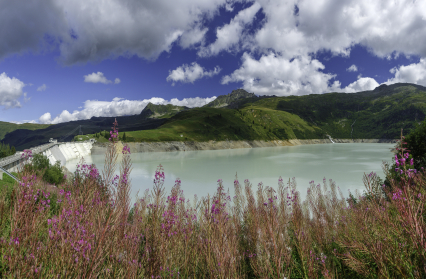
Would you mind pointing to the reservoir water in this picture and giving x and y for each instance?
(199, 171)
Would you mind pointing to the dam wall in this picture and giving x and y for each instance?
(61, 152)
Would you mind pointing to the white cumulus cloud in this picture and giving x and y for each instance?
(45, 118)
(230, 34)
(362, 84)
(413, 73)
(328, 25)
(42, 87)
(118, 107)
(99, 78)
(11, 89)
(352, 68)
(229, 7)
(92, 30)
(193, 36)
(190, 73)
(191, 102)
(383, 27)
(275, 75)
(24, 121)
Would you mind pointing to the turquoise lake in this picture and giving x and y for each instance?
(199, 171)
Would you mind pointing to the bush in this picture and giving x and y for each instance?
(415, 148)
(416, 144)
(40, 162)
(54, 174)
(41, 165)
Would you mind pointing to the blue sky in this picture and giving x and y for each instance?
(69, 60)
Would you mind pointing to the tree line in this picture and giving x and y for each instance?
(6, 150)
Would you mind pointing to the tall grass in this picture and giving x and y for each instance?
(86, 228)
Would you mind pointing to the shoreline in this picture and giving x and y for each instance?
(170, 146)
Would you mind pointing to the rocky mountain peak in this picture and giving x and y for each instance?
(225, 100)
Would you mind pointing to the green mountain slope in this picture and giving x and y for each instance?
(251, 123)
(6, 127)
(380, 113)
(161, 111)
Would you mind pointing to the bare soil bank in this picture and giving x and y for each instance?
(140, 147)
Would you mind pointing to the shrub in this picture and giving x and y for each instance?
(416, 145)
(88, 174)
(411, 150)
(54, 174)
(40, 162)
(41, 166)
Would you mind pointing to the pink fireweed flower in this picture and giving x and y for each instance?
(114, 133)
(126, 150)
(28, 153)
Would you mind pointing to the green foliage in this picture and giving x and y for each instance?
(51, 174)
(40, 162)
(54, 174)
(106, 135)
(124, 137)
(8, 179)
(6, 150)
(6, 194)
(416, 144)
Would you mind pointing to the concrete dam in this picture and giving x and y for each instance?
(54, 151)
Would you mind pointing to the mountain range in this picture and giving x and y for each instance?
(240, 115)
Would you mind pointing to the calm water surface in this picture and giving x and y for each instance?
(199, 170)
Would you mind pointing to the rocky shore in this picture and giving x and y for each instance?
(141, 147)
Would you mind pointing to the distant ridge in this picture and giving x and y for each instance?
(161, 111)
(6, 127)
(226, 100)
(398, 86)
